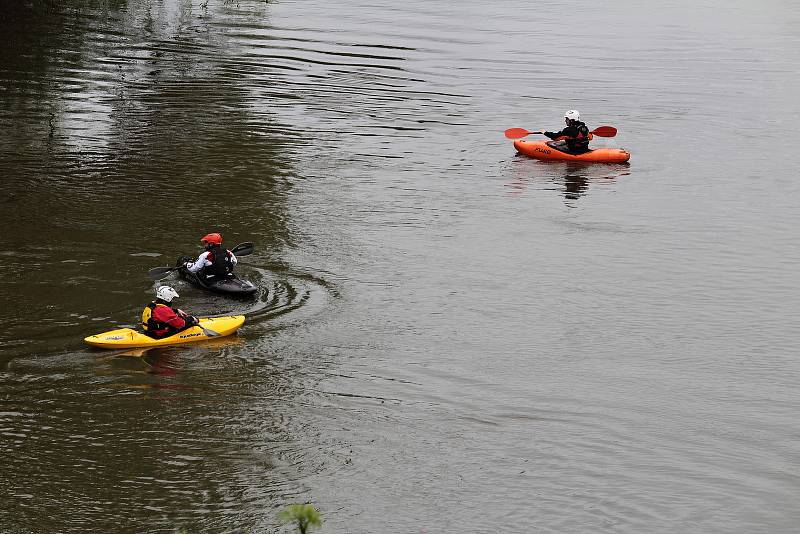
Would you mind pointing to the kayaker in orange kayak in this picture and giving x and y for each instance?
(574, 139)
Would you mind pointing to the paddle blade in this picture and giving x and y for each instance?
(158, 273)
(605, 131)
(516, 133)
(243, 249)
(209, 332)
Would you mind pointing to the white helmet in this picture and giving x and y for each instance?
(572, 115)
(166, 293)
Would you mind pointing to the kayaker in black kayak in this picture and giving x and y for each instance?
(215, 263)
(159, 319)
(574, 139)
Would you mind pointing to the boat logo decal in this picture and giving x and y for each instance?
(537, 149)
(190, 335)
(113, 338)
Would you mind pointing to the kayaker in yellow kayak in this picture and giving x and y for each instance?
(160, 320)
(573, 139)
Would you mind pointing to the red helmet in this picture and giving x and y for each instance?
(214, 239)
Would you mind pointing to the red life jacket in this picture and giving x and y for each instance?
(154, 327)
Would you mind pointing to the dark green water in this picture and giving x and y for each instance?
(448, 337)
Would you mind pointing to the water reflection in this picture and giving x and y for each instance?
(154, 361)
(572, 180)
(153, 354)
(575, 184)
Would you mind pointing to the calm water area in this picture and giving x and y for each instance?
(448, 337)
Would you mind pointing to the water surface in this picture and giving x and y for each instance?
(448, 336)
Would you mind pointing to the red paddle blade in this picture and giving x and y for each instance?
(516, 133)
(605, 131)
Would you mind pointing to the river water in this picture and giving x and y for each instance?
(448, 337)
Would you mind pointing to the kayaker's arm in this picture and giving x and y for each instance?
(177, 322)
(569, 131)
(199, 264)
(167, 315)
(190, 320)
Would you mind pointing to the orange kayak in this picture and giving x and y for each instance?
(541, 150)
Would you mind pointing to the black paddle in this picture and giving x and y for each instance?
(242, 249)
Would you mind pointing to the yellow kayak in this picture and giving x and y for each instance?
(126, 338)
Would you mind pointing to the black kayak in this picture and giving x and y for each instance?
(231, 285)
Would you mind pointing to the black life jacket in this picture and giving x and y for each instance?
(221, 264)
(583, 132)
(582, 137)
